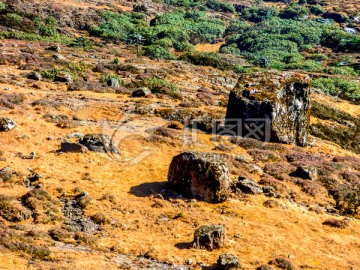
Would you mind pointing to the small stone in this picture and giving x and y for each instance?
(209, 237)
(6, 124)
(189, 262)
(100, 143)
(141, 92)
(237, 236)
(248, 186)
(283, 263)
(63, 77)
(36, 76)
(265, 267)
(113, 83)
(227, 262)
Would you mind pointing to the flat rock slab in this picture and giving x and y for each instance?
(100, 143)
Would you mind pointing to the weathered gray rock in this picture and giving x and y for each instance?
(306, 172)
(113, 83)
(6, 124)
(63, 76)
(141, 92)
(100, 143)
(34, 75)
(204, 176)
(227, 262)
(209, 237)
(248, 186)
(282, 99)
(70, 147)
(283, 263)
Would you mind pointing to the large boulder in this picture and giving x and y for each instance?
(204, 176)
(100, 143)
(271, 106)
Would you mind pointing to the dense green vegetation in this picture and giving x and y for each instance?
(339, 87)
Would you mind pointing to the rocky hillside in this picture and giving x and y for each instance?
(179, 135)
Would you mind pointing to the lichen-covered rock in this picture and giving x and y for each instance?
(204, 176)
(248, 186)
(6, 124)
(227, 262)
(209, 237)
(282, 99)
(283, 263)
(100, 143)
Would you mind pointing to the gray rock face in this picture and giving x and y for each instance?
(6, 124)
(248, 186)
(227, 262)
(100, 143)
(203, 176)
(283, 99)
(209, 237)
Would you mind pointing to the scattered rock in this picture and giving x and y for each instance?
(227, 262)
(209, 237)
(63, 77)
(100, 143)
(113, 83)
(11, 209)
(336, 223)
(34, 75)
(283, 99)
(6, 124)
(283, 263)
(306, 172)
(141, 92)
(204, 176)
(248, 186)
(69, 147)
(273, 204)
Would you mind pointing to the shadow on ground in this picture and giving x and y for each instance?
(150, 188)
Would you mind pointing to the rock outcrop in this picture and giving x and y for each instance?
(271, 106)
(209, 237)
(203, 176)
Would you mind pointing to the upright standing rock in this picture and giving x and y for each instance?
(283, 99)
(209, 237)
(203, 176)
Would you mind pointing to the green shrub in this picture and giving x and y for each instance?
(319, 57)
(2, 5)
(317, 10)
(158, 52)
(347, 71)
(203, 59)
(47, 27)
(161, 86)
(342, 88)
(105, 78)
(294, 12)
(258, 14)
(220, 6)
